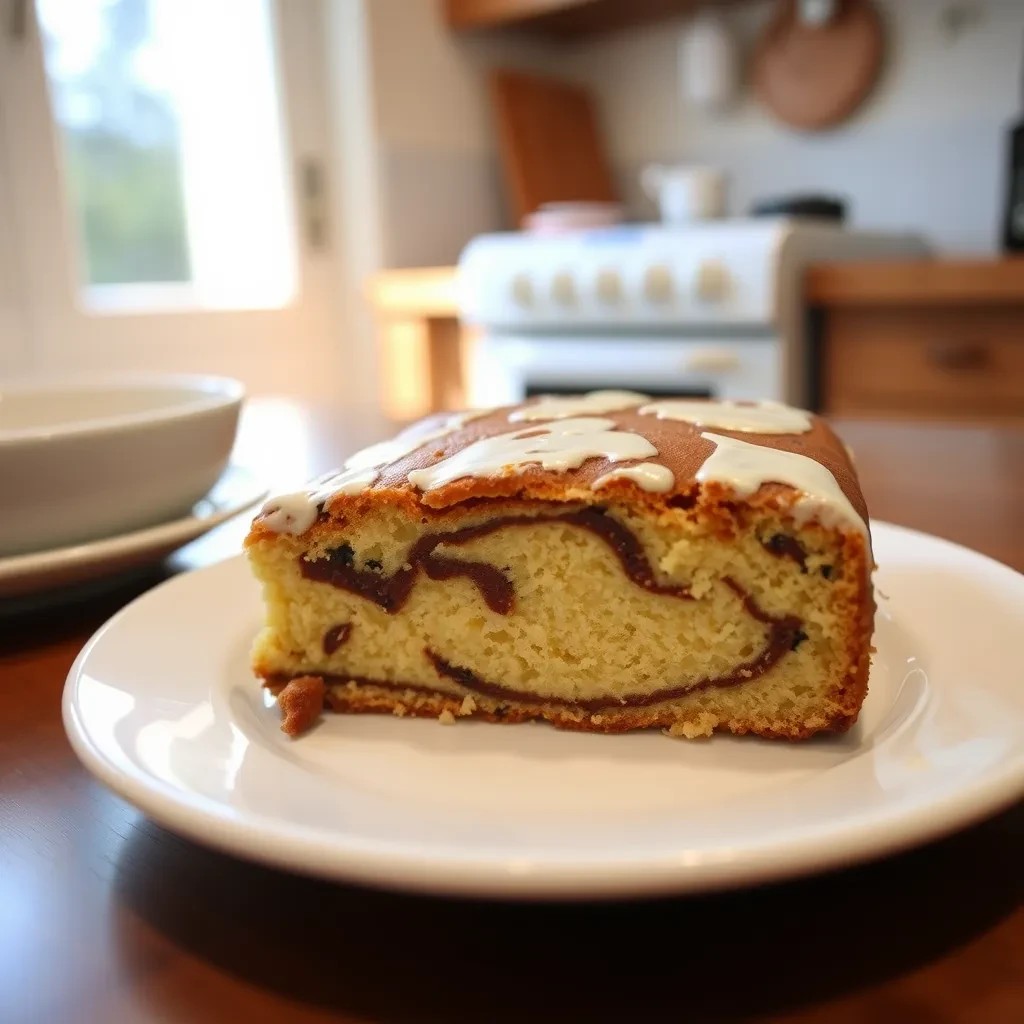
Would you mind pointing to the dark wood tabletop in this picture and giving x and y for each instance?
(106, 917)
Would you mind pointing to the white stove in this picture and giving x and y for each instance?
(712, 309)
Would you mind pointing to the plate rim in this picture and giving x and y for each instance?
(394, 865)
(16, 568)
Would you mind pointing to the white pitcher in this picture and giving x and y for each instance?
(685, 193)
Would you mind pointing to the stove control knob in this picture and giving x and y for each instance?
(712, 281)
(522, 290)
(658, 283)
(609, 286)
(563, 289)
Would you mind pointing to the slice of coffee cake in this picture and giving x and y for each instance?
(604, 562)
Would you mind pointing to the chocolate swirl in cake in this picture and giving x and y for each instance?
(784, 635)
(335, 637)
(782, 545)
(391, 592)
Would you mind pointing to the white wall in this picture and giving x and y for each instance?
(438, 174)
(926, 152)
(13, 309)
(13, 314)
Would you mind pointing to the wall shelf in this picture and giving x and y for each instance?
(562, 19)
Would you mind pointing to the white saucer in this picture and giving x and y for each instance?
(161, 707)
(38, 571)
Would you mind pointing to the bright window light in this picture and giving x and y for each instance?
(169, 117)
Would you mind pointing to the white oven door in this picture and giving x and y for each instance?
(508, 368)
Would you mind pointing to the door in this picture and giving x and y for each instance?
(164, 166)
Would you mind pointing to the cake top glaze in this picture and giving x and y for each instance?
(561, 448)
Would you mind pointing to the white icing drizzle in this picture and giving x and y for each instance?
(744, 467)
(560, 407)
(352, 479)
(296, 512)
(408, 441)
(564, 444)
(288, 513)
(648, 476)
(759, 418)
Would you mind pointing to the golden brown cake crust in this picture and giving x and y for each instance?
(366, 697)
(680, 447)
(301, 700)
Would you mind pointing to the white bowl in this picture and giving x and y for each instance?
(85, 459)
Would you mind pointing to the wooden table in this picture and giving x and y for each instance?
(105, 917)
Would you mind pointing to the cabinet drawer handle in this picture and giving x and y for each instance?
(958, 355)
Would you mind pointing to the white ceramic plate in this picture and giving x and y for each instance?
(40, 571)
(161, 707)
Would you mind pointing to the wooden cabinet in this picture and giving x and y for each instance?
(925, 363)
(948, 346)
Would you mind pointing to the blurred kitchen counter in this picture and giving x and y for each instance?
(418, 291)
(924, 282)
(424, 348)
(920, 339)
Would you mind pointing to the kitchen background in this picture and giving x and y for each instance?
(378, 150)
(926, 151)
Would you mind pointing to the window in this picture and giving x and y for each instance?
(169, 120)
